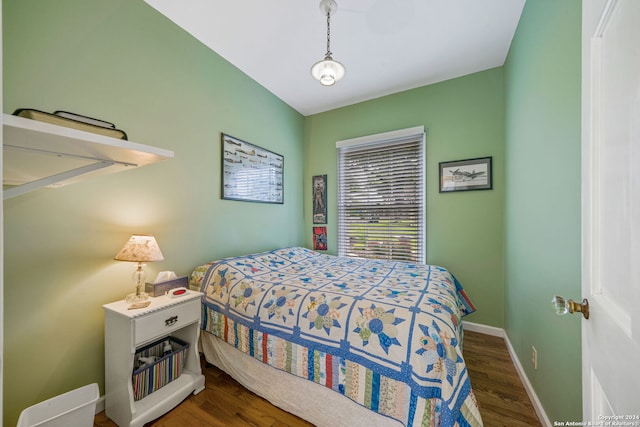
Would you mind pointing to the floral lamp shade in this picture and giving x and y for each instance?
(140, 248)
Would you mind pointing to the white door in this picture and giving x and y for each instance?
(611, 210)
(1, 235)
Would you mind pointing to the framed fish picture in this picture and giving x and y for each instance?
(251, 173)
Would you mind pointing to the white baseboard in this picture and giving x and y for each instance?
(499, 332)
(537, 405)
(100, 405)
(483, 329)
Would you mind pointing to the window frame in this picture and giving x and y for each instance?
(415, 134)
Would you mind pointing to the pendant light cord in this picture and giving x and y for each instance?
(328, 55)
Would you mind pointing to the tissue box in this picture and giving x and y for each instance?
(161, 288)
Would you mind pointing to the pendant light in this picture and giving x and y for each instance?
(328, 71)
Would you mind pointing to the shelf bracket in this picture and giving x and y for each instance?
(53, 179)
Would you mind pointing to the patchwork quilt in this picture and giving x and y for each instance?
(385, 334)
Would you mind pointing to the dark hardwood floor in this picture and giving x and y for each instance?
(502, 398)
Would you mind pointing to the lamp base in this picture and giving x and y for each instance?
(137, 297)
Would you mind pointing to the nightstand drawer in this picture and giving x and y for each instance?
(166, 321)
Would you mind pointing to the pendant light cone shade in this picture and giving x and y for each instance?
(328, 71)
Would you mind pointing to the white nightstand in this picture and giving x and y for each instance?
(127, 330)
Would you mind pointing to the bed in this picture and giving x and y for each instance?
(353, 342)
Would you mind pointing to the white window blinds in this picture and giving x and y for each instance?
(381, 200)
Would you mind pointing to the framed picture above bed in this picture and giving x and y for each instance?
(320, 199)
(319, 238)
(464, 175)
(251, 173)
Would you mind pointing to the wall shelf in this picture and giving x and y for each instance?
(38, 154)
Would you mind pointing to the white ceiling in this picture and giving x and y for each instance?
(386, 46)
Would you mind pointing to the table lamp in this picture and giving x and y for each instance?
(139, 248)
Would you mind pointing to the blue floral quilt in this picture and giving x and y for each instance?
(385, 334)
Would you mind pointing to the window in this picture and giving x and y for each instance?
(381, 200)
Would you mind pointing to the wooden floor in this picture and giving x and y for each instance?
(501, 396)
(502, 399)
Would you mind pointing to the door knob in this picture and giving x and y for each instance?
(563, 306)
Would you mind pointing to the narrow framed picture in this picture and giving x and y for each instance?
(320, 199)
(251, 173)
(464, 175)
(320, 238)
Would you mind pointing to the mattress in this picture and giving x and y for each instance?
(386, 335)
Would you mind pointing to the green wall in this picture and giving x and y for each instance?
(122, 61)
(542, 215)
(463, 118)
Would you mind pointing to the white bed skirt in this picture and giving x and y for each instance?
(310, 401)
